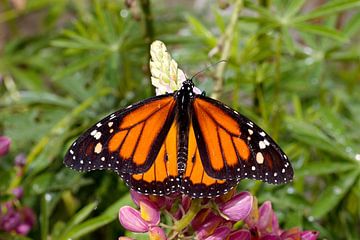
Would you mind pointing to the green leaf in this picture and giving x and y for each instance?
(80, 216)
(109, 215)
(331, 7)
(324, 168)
(87, 227)
(352, 27)
(288, 40)
(333, 194)
(293, 7)
(200, 30)
(321, 30)
(44, 216)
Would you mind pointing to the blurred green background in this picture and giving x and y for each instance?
(293, 67)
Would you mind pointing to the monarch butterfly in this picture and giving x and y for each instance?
(180, 142)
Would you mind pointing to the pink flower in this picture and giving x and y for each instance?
(131, 220)
(157, 233)
(4, 145)
(219, 234)
(242, 234)
(208, 225)
(309, 235)
(19, 220)
(20, 160)
(238, 207)
(213, 220)
(144, 220)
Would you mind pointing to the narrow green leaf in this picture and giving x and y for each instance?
(315, 137)
(80, 216)
(333, 194)
(331, 7)
(87, 227)
(323, 168)
(109, 215)
(44, 216)
(293, 7)
(352, 26)
(30, 97)
(114, 208)
(321, 30)
(288, 40)
(202, 31)
(83, 213)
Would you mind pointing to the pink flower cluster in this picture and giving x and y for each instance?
(15, 218)
(214, 220)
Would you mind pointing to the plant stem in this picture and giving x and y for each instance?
(189, 216)
(149, 30)
(225, 45)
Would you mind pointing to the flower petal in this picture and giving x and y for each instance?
(157, 233)
(208, 226)
(149, 212)
(20, 160)
(242, 234)
(253, 217)
(265, 218)
(238, 207)
(4, 145)
(220, 233)
(309, 235)
(137, 197)
(131, 220)
(270, 237)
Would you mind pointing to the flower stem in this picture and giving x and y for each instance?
(149, 30)
(225, 45)
(189, 216)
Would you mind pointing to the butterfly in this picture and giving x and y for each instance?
(180, 142)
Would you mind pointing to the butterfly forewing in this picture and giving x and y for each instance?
(231, 146)
(126, 141)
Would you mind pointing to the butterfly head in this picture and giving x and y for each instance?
(187, 89)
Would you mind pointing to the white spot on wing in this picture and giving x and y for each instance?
(98, 148)
(259, 158)
(250, 131)
(97, 135)
(263, 134)
(262, 145)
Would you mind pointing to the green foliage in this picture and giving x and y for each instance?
(293, 67)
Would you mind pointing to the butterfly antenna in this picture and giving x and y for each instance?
(207, 68)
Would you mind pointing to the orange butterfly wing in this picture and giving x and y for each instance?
(233, 147)
(127, 141)
(162, 177)
(196, 182)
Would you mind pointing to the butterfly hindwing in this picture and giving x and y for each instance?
(126, 141)
(233, 147)
(162, 177)
(195, 180)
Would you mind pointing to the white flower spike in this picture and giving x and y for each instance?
(165, 74)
